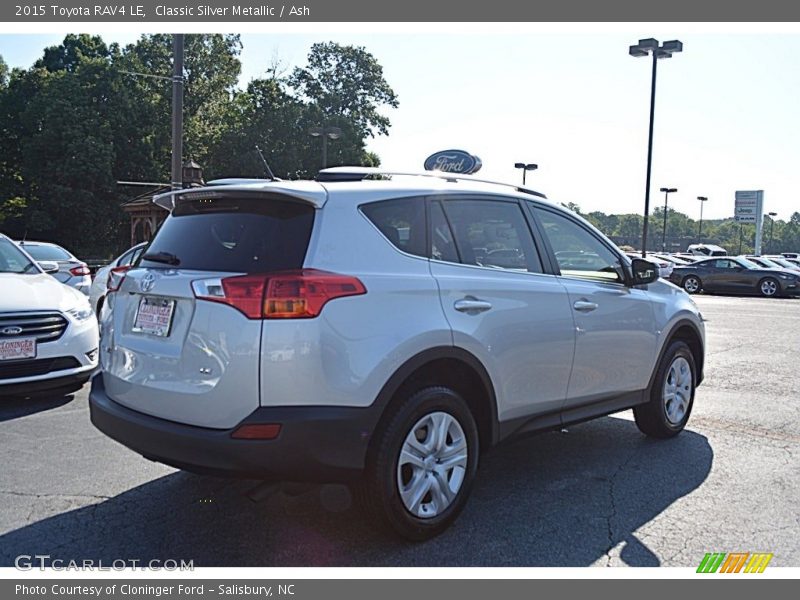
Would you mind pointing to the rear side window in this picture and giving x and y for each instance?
(493, 234)
(47, 252)
(401, 221)
(237, 234)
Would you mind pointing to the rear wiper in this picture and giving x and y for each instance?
(162, 257)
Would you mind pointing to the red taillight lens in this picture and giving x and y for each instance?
(302, 295)
(257, 431)
(115, 278)
(80, 270)
(288, 295)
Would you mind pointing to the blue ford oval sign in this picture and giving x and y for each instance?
(453, 161)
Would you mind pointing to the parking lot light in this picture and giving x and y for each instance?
(702, 199)
(667, 192)
(650, 46)
(525, 168)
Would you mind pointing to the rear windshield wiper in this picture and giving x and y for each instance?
(162, 257)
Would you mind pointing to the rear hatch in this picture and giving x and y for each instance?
(177, 352)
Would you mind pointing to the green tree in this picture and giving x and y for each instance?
(345, 84)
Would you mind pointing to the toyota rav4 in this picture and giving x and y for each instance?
(383, 330)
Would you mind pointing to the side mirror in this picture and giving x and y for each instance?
(48, 266)
(644, 271)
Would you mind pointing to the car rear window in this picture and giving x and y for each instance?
(235, 234)
(46, 252)
(401, 221)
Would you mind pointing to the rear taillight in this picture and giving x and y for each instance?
(115, 278)
(287, 295)
(80, 271)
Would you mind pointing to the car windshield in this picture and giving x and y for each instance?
(769, 263)
(42, 252)
(748, 263)
(12, 260)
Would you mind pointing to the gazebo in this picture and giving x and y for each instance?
(146, 216)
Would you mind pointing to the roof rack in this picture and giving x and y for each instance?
(339, 174)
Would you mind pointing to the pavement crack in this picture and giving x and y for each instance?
(60, 496)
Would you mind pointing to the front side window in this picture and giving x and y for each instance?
(578, 252)
(492, 234)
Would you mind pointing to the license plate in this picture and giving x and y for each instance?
(18, 348)
(154, 316)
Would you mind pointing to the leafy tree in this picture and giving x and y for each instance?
(345, 84)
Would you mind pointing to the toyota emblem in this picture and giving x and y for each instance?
(147, 282)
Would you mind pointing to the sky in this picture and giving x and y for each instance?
(727, 112)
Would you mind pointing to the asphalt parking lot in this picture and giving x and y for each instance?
(598, 494)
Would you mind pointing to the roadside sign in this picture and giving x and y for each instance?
(748, 206)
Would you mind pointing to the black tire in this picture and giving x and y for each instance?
(379, 494)
(773, 288)
(651, 417)
(692, 284)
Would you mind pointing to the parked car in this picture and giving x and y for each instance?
(707, 250)
(48, 333)
(675, 260)
(787, 263)
(771, 263)
(71, 271)
(664, 266)
(284, 330)
(793, 255)
(97, 291)
(735, 275)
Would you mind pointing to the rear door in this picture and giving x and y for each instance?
(501, 305)
(191, 360)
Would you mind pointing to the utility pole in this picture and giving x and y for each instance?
(177, 111)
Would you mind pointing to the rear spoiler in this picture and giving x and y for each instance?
(309, 192)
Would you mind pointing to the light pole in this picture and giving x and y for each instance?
(772, 216)
(525, 168)
(703, 200)
(646, 47)
(325, 133)
(177, 111)
(667, 192)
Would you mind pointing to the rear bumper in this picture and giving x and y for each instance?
(316, 443)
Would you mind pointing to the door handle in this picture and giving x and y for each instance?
(584, 306)
(472, 305)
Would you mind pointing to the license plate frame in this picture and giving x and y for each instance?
(157, 321)
(27, 349)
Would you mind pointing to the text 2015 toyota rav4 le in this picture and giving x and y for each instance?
(383, 332)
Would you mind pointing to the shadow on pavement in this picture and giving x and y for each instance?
(558, 499)
(15, 407)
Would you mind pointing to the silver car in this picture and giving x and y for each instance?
(383, 332)
(97, 291)
(71, 271)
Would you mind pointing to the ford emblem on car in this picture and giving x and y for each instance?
(453, 161)
(147, 282)
(11, 330)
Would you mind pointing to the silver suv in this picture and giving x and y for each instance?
(384, 332)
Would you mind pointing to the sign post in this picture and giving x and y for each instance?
(749, 208)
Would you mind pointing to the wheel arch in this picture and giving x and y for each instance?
(684, 331)
(450, 366)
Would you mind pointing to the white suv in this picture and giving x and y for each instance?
(385, 332)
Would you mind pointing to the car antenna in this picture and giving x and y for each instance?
(266, 164)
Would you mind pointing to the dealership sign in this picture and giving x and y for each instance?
(453, 161)
(748, 206)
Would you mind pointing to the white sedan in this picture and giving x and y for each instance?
(97, 293)
(48, 331)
